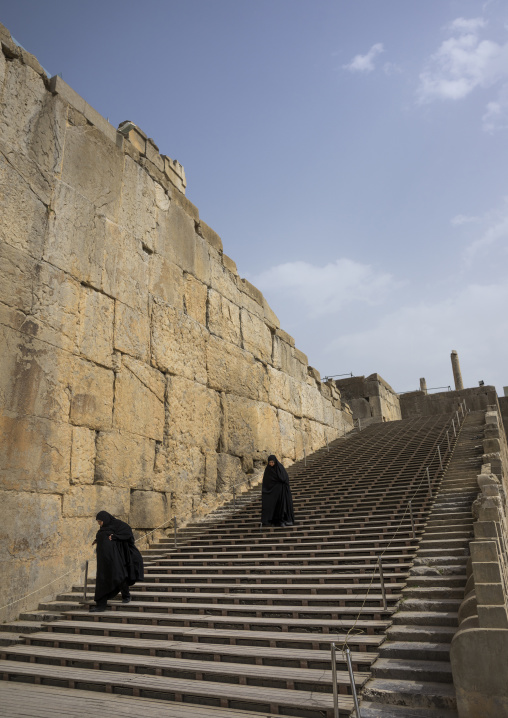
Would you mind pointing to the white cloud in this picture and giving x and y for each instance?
(462, 64)
(365, 63)
(462, 24)
(416, 341)
(460, 219)
(496, 115)
(391, 68)
(318, 291)
(497, 232)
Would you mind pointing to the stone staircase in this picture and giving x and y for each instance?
(413, 676)
(239, 619)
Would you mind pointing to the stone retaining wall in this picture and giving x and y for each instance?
(479, 652)
(140, 374)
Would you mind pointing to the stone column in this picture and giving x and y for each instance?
(423, 385)
(457, 376)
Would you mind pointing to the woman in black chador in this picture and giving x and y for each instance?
(277, 502)
(119, 563)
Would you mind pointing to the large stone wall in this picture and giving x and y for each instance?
(140, 374)
(371, 399)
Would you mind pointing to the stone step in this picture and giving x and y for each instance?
(258, 698)
(430, 604)
(9, 637)
(413, 670)
(433, 577)
(415, 650)
(413, 694)
(22, 626)
(429, 591)
(425, 618)
(380, 710)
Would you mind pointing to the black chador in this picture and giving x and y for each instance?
(277, 502)
(119, 563)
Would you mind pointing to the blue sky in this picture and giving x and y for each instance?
(352, 154)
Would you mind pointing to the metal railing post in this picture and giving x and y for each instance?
(453, 424)
(428, 480)
(176, 543)
(327, 447)
(234, 497)
(334, 683)
(382, 581)
(86, 581)
(440, 460)
(462, 409)
(448, 440)
(412, 519)
(304, 456)
(353, 686)
(458, 420)
(359, 424)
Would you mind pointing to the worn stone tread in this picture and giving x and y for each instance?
(379, 710)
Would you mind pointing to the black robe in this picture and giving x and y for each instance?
(276, 499)
(118, 560)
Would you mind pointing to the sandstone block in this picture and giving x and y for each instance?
(252, 291)
(194, 414)
(229, 264)
(97, 314)
(223, 318)
(132, 332)
(287, 434)
(250, 428)
(148, 509)
(126, 269)
(210, 477)
(89, 500)
(256, 336)
(28, 526)
(312, 406)
(178, 343)
(24, 216)
(154, 380)
(125, 459)
(93, 166)
(82, 455)
(36, 454)
(209, 234)
(59, 308)
(137, 409)
(234, 370)
(16, 272)
(270, 317)
(195, 298)
(166, 281)
(182, 246)
(224, 282)
(91, 395)
(284, 392)
(301, 357)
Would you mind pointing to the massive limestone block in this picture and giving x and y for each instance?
(89, 500)
(183, 246)
(166, 281)
(312, 407)
(229, 472)
(33, 377)
(234, 370)
(82, 455)
(93, 166)
(57, 304)
(195, 298)
(97, 315)
(76, 236)
(148, 509)
(91, 395)
(224, 282)
(284, 392)
(24, 216)
(125, 268)
(194, 414)
(137, 408)
(224, 318)
(132, 331)
(250, 428)
(256, 336)
(147, 375)
(36, 454)
(17, 270)
(178, 343)
(287, 434)
(125, 459)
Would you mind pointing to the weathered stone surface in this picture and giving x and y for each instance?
(234, 370)
(194, 414)
(312, 407)
(82, 455)
(256, 336)
(89, 500)
(97, 314)
(125, 459)
(137, 408)
(148, 509)
(178, 343)
(224, 282)
(287, 434)
(195, 297)
(229, 472)
(35, 454)
(182, 246)
(126, 268)
(17, 271)
(132, 332)
(249, 428)
(230, 264)
(166, 281)
(93, 166)
(24, 216)
(91, 395)
(285, 392)
(154, 380)
(224, 318)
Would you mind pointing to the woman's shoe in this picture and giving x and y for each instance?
(97, 609)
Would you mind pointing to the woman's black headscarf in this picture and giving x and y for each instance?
(120, 530)
(277, 502)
